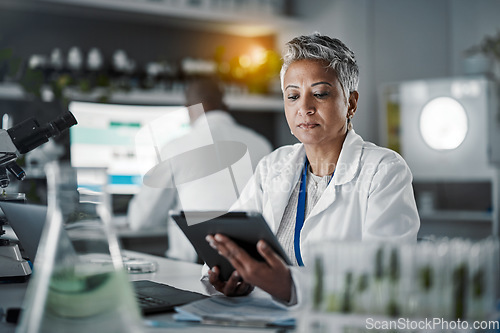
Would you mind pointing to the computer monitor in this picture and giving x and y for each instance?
(123, 139)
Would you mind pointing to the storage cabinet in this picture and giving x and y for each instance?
(455, 208)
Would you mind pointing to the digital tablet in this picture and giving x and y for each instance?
(246, 229)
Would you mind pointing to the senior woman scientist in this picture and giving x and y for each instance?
(331, 185)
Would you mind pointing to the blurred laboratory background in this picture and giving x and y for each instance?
(428, 86)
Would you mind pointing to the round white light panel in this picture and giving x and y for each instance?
(443, 123)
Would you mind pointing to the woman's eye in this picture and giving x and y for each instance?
(293, 97)
(321, 95)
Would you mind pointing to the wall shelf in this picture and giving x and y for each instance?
(11, 91)
(228, 17)
(243, 102)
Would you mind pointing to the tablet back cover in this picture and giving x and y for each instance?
(246, 229)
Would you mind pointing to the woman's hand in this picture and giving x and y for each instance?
(234, 286)
(272, 275)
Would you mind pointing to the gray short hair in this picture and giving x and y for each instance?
(331, 50)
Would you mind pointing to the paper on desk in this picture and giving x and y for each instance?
(236, 310)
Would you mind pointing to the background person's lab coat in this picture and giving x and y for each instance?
(151, 206)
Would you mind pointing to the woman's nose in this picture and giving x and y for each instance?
(307, 107)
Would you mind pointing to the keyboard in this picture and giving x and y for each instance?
(154, 297)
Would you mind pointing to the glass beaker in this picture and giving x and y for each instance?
(79, 283)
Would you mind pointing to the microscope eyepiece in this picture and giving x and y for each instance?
(28, 135)
(62, 123)
(25, 137)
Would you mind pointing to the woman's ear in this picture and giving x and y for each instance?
(352, 103)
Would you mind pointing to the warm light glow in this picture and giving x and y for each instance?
(245, 61)
(238, 72)
(258, 56)
(443, 123)
(224, 68)
(254, 30)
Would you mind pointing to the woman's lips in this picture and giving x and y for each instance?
(308, 125)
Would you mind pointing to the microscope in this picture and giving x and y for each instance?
(14, 142)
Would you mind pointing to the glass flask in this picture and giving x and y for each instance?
(79, 283)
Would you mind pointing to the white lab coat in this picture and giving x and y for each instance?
(150, 207)
(370, 196)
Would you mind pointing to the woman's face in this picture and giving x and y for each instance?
(315, 107)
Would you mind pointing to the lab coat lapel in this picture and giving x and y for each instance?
(283, 182)
(347, 167)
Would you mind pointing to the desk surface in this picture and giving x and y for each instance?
(179, 274)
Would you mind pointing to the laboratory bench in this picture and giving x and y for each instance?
(152, 240)
(179, 274)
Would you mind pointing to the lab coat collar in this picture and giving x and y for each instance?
(347, 165)
(349, 159)
(287, 171)
(345, 171)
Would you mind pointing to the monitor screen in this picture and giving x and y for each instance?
(123, 139)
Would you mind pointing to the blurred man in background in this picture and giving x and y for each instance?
(150, 207)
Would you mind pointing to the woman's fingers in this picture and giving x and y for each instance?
(238, 257)
(244, 288)
(271, 257)
(272, 275)
(241, 288)
(232, 284)
(213, 278)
